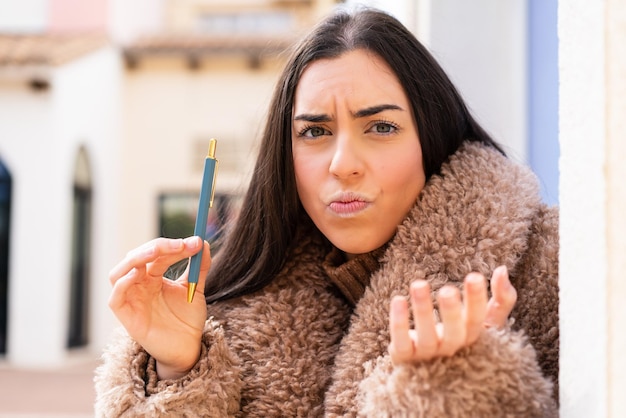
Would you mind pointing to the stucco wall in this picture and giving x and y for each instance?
(23, 16)
(40, 137)
(89, 112)
(169, 111)
(77, 15)
(26, 147)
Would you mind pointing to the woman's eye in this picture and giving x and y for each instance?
(313, 132)
(383, 128)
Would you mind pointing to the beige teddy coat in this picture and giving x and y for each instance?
(297, 349)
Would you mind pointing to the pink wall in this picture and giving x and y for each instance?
(78, 15)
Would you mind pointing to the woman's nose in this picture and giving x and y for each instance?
(347, 159)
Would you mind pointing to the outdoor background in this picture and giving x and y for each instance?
(107, 107)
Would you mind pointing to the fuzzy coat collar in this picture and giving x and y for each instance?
(474, 216)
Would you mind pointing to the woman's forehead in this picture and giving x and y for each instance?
(359, 76)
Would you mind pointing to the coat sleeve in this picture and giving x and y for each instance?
(126, 382)
(497, 376)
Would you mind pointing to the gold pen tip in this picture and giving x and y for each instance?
(212, 146)
(191, 290)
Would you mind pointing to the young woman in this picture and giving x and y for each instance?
(373, 183)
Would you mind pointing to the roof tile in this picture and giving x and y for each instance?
(46, 49)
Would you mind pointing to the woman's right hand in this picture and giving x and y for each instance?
(154, 310)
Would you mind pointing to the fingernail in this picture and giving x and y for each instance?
(418, 287)
(475, 282)
(398, 305)
(447, 292)
(474, 278)
(175, 243)
(503, 272)
(192, 242)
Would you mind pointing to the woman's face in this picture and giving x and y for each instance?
(356, 152)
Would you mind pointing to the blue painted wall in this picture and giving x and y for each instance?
(543, 112)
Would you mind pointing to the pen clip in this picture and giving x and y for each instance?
(217, 163)
(211, 155)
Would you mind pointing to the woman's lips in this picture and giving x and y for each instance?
(348, 204)
(348, 208)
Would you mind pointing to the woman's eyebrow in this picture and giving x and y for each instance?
(368, 111)
(372, 110)
(309, 117)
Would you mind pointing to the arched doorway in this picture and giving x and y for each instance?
(5, 224)
(81, 251)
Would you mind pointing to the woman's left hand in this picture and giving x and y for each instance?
(462, 321)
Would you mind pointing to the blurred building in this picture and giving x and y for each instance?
(60, 135)
(106, 109)
(106, 106)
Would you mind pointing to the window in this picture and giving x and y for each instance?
(81, 251)
(5, 224)
(177, 219)
(250, 23)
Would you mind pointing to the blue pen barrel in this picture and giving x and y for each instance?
(206, 195)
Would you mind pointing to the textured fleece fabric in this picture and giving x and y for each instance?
(297, 348)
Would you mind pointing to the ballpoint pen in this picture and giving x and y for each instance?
(206, 201)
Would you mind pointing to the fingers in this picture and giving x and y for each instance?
(475, 309)
(461, 323)
(205, 265)
(462, 319)
(502, 300)
(409, 345)
(121, 286)
(157, 254)
(173, 251)
(401, 346)
(424, 318)
(451, 310)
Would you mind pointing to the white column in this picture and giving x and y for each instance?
(616, 204)
(592, 63)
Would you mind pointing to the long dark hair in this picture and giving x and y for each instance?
(259, 241)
